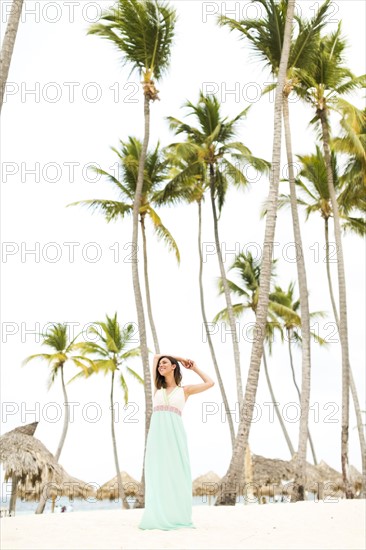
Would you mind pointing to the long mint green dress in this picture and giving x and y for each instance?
(168, 480)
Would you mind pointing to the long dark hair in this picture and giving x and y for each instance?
(160, 380)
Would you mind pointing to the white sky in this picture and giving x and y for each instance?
(39, 130)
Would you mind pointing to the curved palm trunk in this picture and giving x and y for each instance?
(300, 457)
(234, 337)
(147, 287)
(121, 491)
(137, 292)
(43, 500)
(8, 45)
(343, 325)
(356, 402)
(278, 413)
(229, 484)
(299, 395)
(208, 335)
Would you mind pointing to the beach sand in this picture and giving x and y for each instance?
(304, 525)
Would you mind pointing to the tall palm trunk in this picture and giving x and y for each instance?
(147, 286)
(115, 453)
(13, 496)
(300, 457)
(66, 418)
(140, 498)
(299, 395)
(208, 335)
(234, 337)
(343, 325)
(356, 402)
(274, 401)
(43, 500)
(229, 483)
(360, 430)
(8, 45)
(329, 277)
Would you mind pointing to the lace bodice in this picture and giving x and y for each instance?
(174, 398)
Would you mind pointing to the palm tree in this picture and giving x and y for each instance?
(248, 270)
(62, 350)
(8, 45)
(266, 36)
(321, 85)
(109, 356)
(143, 32)
(287, 308)
(215, 152)
(315, 198)
(229, 483)
(154, 174)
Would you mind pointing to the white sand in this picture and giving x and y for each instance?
(304, 525)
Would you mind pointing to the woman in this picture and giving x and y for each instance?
(168, 481)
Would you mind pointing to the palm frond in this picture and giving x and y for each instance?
(356, 226)
(124, 388)
(143, 31)
(238, 310)
(44, 356)
(234, 288)
(135, 375)
(82, 374)
(112, 210)
(104, 365)
(91, 347)
(133, 352)
(163, 233)
(52, 376)
(82, 358)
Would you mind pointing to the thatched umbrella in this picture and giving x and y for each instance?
(328, 473)
(27, 429)
(110, 489)
(26, 459)
(334, 479)
(207, 484)
(272, 476)
(68, 486)
(332, 482)
(268, 471)
(32, 469)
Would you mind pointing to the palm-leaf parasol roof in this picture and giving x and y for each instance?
(25, 458)
(110, 489)
(206, 484)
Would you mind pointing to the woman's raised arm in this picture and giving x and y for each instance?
(197, 388)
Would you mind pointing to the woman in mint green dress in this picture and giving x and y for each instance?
(168, 479)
